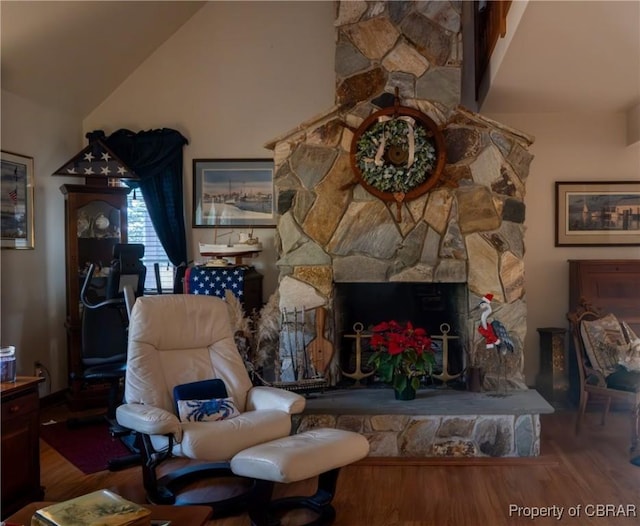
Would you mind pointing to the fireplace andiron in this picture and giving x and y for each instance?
(445, 376)
(358, 374)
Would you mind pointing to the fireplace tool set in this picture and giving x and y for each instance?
(303, 365)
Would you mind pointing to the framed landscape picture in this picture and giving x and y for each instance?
(16, 201)
(233, 193)
(598, 213)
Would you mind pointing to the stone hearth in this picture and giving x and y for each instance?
(438, 423)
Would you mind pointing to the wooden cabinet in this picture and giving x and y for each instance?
(252, 301)
(552, 381)
(20, 444)
(95, 221)
(612, 285)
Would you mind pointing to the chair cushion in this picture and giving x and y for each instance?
(209, 410)
(108, 371)
(219, 441)
(624, 380)
(301, 456)
(175, 339)
(603, 342)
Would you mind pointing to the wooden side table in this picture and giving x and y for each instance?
(20, 443)
(178, 515)
(553, 381)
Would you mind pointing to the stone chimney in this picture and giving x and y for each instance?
(469, 229)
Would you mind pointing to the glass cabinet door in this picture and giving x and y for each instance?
(95, 222)
(98, 232)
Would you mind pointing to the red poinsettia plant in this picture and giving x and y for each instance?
(403, 353)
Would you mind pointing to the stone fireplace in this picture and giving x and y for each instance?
(468, 230)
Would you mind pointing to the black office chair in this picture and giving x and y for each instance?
(105, 321)
(178, 278)
(104, 338)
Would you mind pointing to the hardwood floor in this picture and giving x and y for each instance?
(585, 471)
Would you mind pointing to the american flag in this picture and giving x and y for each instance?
(215, 281)
(96, 160)
(13, 194)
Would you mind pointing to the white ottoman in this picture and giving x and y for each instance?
(318, 452)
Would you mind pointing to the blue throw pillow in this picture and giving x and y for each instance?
(202, 390)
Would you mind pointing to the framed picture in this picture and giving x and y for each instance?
(228, 192)
(16, 202)
(598, 214)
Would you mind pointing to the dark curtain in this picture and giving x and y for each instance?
(156, 157)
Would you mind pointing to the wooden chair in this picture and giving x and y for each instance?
(603, 384)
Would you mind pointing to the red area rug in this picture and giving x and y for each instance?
(89, 447)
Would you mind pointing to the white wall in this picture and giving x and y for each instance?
(633, 124)
(568, 147)
(234, 77)
(32, 282)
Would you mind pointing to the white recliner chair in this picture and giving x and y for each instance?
(176, 340)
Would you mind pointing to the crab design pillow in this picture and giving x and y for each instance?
(206, 410)
(203, 401)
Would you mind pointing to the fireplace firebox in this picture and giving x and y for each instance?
(436, 307)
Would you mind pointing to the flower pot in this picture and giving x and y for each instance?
(408, 393)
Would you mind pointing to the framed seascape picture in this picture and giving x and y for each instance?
(598, 213)
(16, 202)
(233, 193)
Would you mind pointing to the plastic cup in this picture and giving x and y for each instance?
(8, 364)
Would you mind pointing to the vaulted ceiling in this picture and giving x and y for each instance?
(72, 54)
(564, 56)
(570, 56)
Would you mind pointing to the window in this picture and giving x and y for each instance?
(140, 230)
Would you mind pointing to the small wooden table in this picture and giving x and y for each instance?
(178, 515)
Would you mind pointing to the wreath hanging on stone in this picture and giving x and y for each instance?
(395, 155)
(398, 154)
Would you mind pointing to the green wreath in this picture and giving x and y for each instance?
(394, 170)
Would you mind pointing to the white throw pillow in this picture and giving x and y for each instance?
(630, 360)
(604, 342)
(207, 410)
